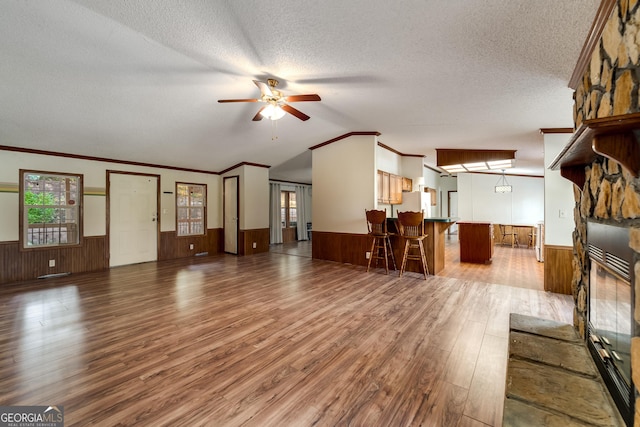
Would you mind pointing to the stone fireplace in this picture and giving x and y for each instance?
(603, 161)
(606, 249)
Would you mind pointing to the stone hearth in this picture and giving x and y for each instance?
(551, 378)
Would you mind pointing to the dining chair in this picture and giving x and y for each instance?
(509, 232)
(411, 227)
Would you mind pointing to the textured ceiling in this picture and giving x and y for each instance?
(140, 80)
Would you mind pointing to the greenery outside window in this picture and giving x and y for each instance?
(50, 209)
(191, 209)
(288, 209)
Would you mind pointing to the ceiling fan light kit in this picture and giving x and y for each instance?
(272, 112)
(277, 103)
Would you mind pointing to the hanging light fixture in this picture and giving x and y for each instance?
(502, 186)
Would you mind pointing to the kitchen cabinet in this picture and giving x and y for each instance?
(389, 188)
(383, 186)
(395, 189)
(407, 184)
(476, 242)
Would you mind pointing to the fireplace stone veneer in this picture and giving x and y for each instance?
(607, 127)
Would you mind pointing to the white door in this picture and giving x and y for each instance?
(133, 218)
(231, 215)
(453, 210)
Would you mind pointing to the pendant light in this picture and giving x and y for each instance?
(502, 186)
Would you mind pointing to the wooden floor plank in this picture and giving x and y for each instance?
(484, 402)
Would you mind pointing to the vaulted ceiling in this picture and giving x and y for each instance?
(140, 80)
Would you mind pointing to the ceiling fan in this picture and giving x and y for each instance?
(277, 103)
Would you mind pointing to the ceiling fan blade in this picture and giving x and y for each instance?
(264, 88)
(258, 116)
(238, 100)
(299, 114)
(300, 98)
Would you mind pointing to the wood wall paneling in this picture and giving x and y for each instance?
(247, 238)
(352, 248)
(523, 236)
(288, 235)
(20, 265)
(172, 247)
(558, 269)
(341, 247)
(92, 255)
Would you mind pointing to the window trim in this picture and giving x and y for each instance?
(204, 213)
(21, 220)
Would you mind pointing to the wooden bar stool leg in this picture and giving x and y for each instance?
(404, 257)
(371, 253)
(393, 258)
(386, 256)
(423, 256)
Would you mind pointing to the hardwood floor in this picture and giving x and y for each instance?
(264, 340)
(510, 266)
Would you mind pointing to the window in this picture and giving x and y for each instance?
(50, 209)
(288, 211)
(191, 209)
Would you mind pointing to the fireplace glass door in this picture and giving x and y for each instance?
(610, 318)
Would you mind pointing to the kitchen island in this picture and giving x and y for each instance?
(434, 228)
(476, 241)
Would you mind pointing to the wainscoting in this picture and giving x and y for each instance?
(93, 255)
(172, 247)
(341, 247)
(289, 235)
(558, 269)
(259, 236)
(19, 265)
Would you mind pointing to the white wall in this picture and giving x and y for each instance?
(344, 177)
(254, 198)
(477, 200)
(94, 173)
(412, 167)
(432, 180)
(388, 161)
(558, 196)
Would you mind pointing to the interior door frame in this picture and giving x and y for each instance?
(449, 207)
(108, 210)
(224, 211)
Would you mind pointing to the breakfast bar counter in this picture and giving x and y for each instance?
(434, 228)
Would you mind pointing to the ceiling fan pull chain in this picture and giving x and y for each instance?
(274, 130)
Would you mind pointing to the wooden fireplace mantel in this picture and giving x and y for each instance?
(611, 137)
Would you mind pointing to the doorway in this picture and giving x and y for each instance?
(453, 210)
(231, 208)
(132, 217)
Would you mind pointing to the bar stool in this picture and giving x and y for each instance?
(381, 244)
(411, 225)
